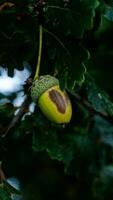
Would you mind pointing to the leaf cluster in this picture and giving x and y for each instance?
(75, 159)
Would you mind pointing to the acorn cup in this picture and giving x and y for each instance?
(54, 103)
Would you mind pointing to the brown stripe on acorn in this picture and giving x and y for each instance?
(57, 98)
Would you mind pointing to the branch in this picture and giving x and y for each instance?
(18, 116)
(6, 5)
(91, 109)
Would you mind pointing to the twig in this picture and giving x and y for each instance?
(6, 5)
(18, 116)
(91, 109)
(39, 53)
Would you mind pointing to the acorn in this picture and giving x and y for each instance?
(53, 102)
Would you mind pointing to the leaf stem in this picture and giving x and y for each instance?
(39, 53)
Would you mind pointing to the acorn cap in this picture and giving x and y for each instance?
(41, 85)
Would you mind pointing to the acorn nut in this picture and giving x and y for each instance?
(54, 103)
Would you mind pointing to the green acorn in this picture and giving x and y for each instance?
(54, 103)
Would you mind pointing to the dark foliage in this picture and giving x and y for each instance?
(51, 161)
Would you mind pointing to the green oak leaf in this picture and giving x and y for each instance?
(99, 98)
(72, 18)
(4, 195)
(69, 59)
